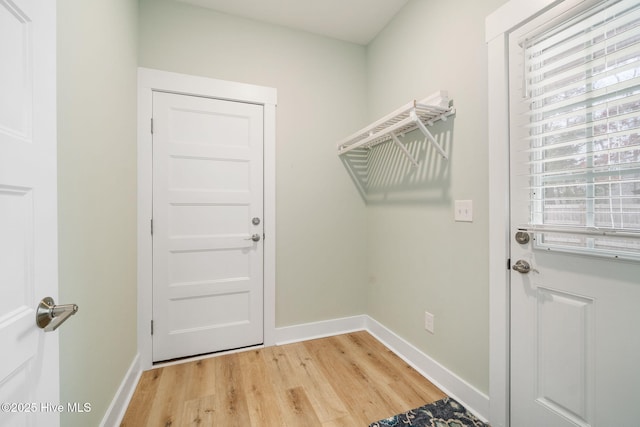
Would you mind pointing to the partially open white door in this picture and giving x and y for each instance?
(29, 368)
(207, 225)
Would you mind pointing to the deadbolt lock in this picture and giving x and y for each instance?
(522, 237)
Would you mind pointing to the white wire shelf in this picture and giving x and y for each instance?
(414, 115)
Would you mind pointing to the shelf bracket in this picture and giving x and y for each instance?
(404, 149)
(426, 133)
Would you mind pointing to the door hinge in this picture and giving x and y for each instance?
(152, 125)
(151, 326)
(152, 226)
(508, 263)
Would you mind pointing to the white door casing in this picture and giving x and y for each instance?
(207, 205)
(29, 361)
(150, 81)
(576, 303)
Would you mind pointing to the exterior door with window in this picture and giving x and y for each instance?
(575, 216)
(207, 225)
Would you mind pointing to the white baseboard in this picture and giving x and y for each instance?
(325, 328)
(115, 413)
(454, 386)
(451, 384)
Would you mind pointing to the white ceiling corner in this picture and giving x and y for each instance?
(355, 21)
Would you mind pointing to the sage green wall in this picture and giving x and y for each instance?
(97, 66)
(419, 259)
(321, 252)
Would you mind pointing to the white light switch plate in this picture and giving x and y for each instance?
(463, 210)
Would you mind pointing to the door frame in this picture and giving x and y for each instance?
(498, 25)
(150, 80)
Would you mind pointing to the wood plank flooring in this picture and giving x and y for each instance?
(342, 381)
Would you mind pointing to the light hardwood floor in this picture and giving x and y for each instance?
(342, 381)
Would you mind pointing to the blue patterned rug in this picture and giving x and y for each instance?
(442, 413)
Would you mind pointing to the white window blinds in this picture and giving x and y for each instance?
(582, 87)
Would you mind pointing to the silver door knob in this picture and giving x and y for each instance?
(255, 237)
(49, 315)
(522, 266)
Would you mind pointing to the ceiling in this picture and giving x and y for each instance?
(356, 21)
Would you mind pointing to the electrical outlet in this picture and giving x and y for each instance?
(428, 321)
(463, 210)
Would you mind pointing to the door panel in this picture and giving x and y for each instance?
(28, 228)
(574, 364)
(193, 220)
(207, 179)
(16, 84)
(207, 174)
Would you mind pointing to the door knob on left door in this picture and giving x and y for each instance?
(49, 315)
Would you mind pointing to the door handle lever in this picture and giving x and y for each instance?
(522, 266)
(50, 316)
(255, 237)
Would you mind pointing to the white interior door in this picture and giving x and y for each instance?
(575, 176)
(207, 225)
(28, 222)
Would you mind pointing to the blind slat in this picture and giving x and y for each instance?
(609, 122)
(601, 95)
(616, 106)
(592, 87)
(579, 77)
(583, 42)
(577, 139)
(607, 51)
(575, 27)
(594, 171)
